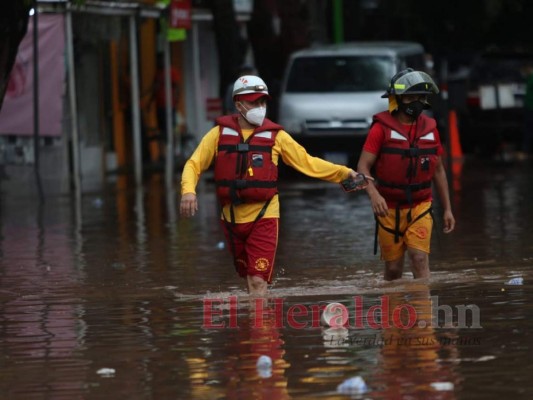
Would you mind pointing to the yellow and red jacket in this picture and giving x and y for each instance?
(285, 148)
(244, 170)
(407, 160)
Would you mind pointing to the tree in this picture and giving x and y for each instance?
(13, 26)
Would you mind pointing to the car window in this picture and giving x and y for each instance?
(340, 74)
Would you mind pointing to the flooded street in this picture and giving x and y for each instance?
(117, 297)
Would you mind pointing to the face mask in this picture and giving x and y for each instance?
(413, 109)
(255, 116)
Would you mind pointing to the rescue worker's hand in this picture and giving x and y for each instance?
(379, 205)
(352, 174)
(449, 221)
(188, 205)
(361, 179)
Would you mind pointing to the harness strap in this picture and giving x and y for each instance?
(410, 152)
(244, 148)
(246, 184)
(396, 231)
(397, 225)
(260, 215)
(238, 184)
(413, 187)
(408, 189)
(230, 232)
(263, 210)
(231, 223)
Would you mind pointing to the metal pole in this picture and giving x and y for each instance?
(135, 102)
(338, 25)
(36, 103)
(196, 74)
(169, 159)
(75, 144)
(445, 110)
(141, 227)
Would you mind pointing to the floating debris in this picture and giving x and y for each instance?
(352, 386)
(443, 386)
(264, 366)
(106, 372)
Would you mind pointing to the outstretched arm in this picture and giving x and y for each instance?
(441, 184)
(295, 156)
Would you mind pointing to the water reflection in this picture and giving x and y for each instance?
(41, 329)
(117, 280)
(409, 364)
(491, 210)
(258, 335)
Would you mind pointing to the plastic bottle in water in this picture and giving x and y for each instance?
(353, 385)
(264, 366)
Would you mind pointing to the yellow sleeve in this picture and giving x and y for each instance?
(200, 160)
(294, 155)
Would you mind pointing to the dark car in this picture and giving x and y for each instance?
(494, 116)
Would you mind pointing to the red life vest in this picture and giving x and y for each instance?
(406, 163)
(244, 171)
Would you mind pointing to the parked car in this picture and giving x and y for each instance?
(494, 116)
(329, 93)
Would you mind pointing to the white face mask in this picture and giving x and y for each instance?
(255, 116)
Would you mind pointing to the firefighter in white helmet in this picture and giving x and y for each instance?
(245, 148)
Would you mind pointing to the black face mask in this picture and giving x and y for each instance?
(413, 109)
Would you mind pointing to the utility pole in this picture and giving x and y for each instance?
(338, 23)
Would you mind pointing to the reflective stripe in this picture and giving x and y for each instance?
(229, 131)
(396, 135)
(428, 136)
(267, 135)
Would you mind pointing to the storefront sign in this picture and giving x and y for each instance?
(180, 14)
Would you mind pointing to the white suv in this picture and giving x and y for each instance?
(332, 91)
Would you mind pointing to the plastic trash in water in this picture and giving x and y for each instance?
(264, 366)
(106, 372)
(352, 386)
(442, 386)
(264, 373)
(264, 362)
(516, 281)
(485, 358)
(335, 315)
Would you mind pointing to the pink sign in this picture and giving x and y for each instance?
(16, 115)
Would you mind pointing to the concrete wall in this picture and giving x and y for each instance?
(17, 173)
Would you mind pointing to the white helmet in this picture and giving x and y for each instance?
(249, 84)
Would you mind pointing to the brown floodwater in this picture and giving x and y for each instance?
(116, 297)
